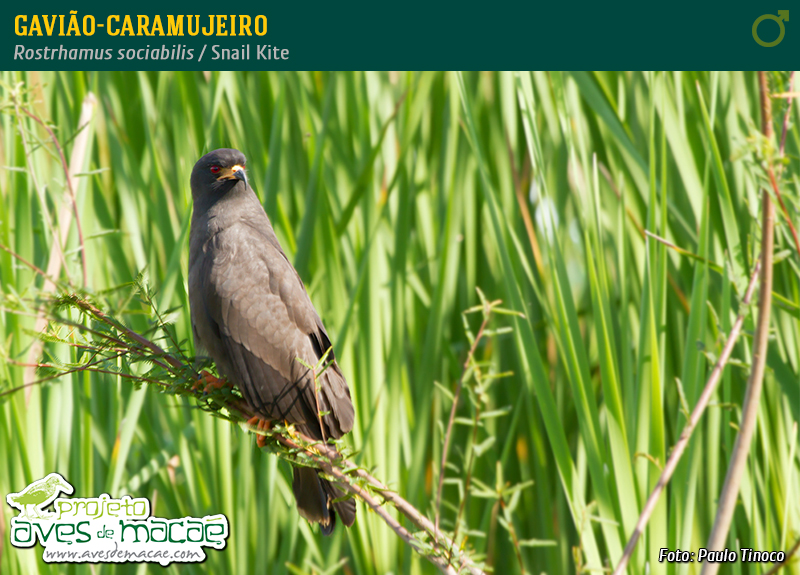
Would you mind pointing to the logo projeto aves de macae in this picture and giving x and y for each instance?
(106, 530)
(783, 16)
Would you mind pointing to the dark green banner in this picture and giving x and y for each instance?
(423, 35)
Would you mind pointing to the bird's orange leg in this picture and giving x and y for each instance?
(262, 425)
(211, 383)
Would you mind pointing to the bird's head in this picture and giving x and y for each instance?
(66, 486)
(55, 480)
(218, 172)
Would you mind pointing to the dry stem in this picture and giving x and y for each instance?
(56, 260)
(686, 434)
(741, 449)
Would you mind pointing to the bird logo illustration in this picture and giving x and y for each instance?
(32, 500)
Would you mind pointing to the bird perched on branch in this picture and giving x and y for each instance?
(251, 313)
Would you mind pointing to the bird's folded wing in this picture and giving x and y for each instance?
(266, 322)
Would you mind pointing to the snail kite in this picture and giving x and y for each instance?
(251, 313)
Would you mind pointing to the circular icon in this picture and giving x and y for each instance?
(782, 15)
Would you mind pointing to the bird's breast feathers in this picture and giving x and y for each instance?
(254, 290)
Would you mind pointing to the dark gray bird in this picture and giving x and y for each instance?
(251, 313)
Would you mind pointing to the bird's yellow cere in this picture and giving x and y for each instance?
(230, 173)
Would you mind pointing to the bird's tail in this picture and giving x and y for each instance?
(314, 496)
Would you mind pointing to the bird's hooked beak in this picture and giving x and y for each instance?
(236, 172)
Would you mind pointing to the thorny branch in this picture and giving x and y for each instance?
(471, 370)
(451, 420)
(110, 340)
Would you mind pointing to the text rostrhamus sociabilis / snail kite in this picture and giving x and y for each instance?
(251, 313)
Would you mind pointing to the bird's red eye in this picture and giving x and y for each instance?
(215, 169)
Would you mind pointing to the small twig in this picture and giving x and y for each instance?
(752, 396)
(143, 341)
(618, 193)
(418, 519)
(56, 251)
(22, 260)
(143, 289)
(782, 152)
(786, 116)
(643, 233)
(313, 369)
(697, 413)
(449, 431)
(514, 541)
(57, 262)
(86, 116)
(326, 465)
(86, 367)
(468, 481)
(783, 207)
(777, 567)
(523, 207)
(88, 307)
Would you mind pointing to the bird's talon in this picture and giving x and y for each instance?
(208, 383)
(261, 425)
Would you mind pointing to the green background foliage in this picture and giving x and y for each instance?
(396, 195)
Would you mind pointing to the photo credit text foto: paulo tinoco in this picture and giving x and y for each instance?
(262, 52)
(725, 556)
